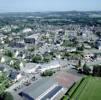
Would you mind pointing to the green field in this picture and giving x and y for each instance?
(89, 89)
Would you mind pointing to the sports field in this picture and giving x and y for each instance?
(88, 89)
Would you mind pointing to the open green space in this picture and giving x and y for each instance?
(4, 83)
(88, 89)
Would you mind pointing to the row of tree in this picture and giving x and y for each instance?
(95, 71)
(42, 58)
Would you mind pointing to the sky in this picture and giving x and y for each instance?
(49, 5)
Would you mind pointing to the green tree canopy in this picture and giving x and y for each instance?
(86, 69)
(36, 59)
(6, 96)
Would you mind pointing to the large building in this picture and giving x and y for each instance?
(31, 39)
(17, 45)
(49, 88)
(52, 65)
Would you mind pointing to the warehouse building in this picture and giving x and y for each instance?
(49, 88)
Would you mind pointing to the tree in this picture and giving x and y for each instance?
(9, 53)
(6, 96)
(47, 57)
(48, 73)
(98, 34)
(97, 70)
(31, 49)
(79, 64)
(16, 64)
(81, 48)
(4, 82)
(86, 69)
(36, 59)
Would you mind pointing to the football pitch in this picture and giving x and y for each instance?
(90, 89)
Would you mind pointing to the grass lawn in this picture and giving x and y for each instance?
(90, 89)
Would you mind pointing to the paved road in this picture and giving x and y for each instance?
(20, 85)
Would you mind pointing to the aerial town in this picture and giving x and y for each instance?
(50, 56)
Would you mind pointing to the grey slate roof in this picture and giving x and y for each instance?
(3, 66)
(36, 89)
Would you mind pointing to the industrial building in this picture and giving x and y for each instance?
(49, 88)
